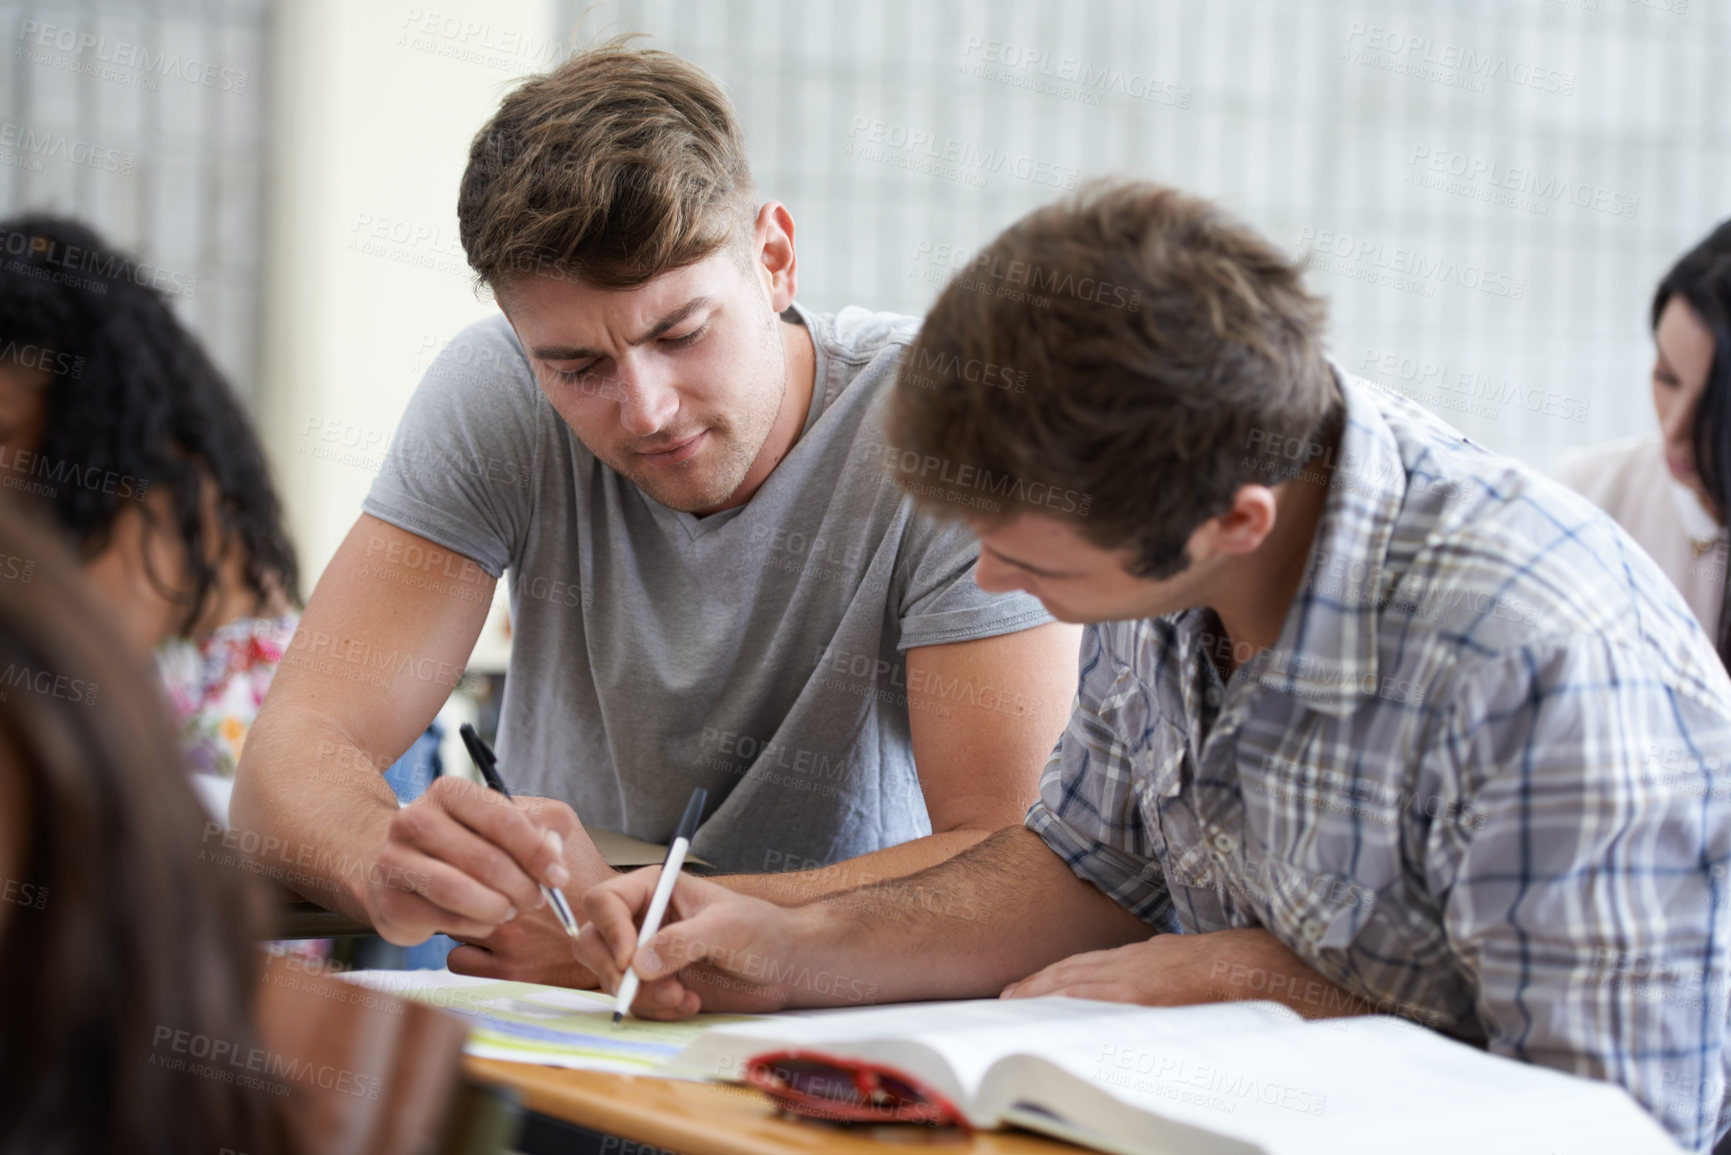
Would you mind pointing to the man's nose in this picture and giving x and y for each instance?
(649, 401)
(1678, 425)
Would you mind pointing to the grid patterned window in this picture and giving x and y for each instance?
(143, 118)
(1490, 188)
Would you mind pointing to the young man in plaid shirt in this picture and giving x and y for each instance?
(1369, 717)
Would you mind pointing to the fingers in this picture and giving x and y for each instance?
(730, 938)
(535, 848)
(703, 926)
(460, 871)
(1061, 977)
(593, 953)
(701, 987)
(612, 912)
(705, 923)
(532, 949)
(1126, 974)
(666, 999)
(474, 859)
(602, 953)
(405, 918)
(687, 1005)
(1102, 992)
(714, 956)
(468, 852)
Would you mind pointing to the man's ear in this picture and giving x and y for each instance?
(772, 254)
(1246, 524)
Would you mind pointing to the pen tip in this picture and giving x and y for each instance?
(616, 1017)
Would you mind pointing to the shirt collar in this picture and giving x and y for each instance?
(1327, 651)
(1698, 523)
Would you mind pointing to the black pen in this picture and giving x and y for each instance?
(488, 764)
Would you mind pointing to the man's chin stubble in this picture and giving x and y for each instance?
(686, 500)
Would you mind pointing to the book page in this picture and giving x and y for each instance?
(1335, 1087)
(951, 1045)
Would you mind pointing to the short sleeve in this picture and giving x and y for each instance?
(460, 471)
(936, 595)
(1087, 812)
(1588, 895)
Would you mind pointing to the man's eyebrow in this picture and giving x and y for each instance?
(1033, 569)
(573, 353)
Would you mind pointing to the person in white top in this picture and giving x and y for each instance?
(1669, 490)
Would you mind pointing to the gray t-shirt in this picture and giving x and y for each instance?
(756, 652)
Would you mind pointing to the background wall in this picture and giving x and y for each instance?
(366, 280)
(146, 119)
(1488, 188)
(1578, 147)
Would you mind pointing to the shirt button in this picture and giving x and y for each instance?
(1312, 929)
(1224, 843)
(1212, 696)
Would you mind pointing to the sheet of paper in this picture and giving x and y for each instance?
(552, 1026)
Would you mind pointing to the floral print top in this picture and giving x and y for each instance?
(216, 686)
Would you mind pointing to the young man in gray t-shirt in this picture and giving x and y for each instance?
(713, 579)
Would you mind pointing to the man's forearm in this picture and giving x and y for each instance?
(311, 809)
(964, 928)
(795, 887)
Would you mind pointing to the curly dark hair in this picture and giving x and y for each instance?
(135, 397)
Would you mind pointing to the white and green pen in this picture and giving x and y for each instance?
(663, 892)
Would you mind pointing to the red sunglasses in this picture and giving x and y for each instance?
(822, 1086)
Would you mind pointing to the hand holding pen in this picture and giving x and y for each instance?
(488, 764)
(663, 891)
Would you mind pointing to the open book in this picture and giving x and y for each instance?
(1220, 1079)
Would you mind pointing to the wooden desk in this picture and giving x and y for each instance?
(297, 918)
(713, 1119)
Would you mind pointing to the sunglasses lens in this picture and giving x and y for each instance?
(831, 1090)
(818, 1080)
(901, 1092)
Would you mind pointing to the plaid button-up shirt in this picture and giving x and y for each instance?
(1478, 781)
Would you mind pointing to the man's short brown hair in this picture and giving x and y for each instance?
(617, 166)
(1116, 359)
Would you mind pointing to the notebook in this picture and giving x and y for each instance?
(1220, 1079)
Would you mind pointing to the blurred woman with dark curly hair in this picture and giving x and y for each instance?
(116, 930)
(115, 423)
